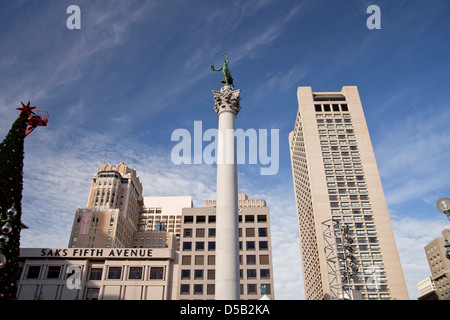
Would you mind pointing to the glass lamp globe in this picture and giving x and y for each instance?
(12, 211)
(6, 229)
(2, 260)
(443, 204)
(4, 238)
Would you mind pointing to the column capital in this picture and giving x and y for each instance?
(227, 99)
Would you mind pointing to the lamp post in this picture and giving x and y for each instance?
(443, 205)
(5, 230)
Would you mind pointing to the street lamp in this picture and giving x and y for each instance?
(6, 229)
(443, 205)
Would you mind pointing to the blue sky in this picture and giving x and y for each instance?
(137, 70)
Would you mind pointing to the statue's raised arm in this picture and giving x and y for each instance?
(227, 79)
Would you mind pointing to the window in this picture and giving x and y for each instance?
(201, 219)
(135, 273)
(251, 273)
(250, 245)
(187, 246)
(262, 232)
(250, 232)
(251, 259)
(186, 260)
(115, 273)
(33, 272)
(184, 289)
(262, 218)
(210, 289)
(264, 273)
(200, 233)
(251, 288)
(249, 218)
(211, 232)
(198, 274)
(157, 273)
(188, 219)
(185, 274)
(263, 245)
(188, 233)
(263, 259)
(92, 293)
(198, 289)
(199, 260)
(53, 272)
(199, 246)
(96, 274)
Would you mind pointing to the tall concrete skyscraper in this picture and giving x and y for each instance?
(337, 184)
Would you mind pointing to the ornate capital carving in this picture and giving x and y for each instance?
(227, 99)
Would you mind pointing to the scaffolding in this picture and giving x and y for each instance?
(341, 262)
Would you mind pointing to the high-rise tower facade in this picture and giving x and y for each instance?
(113, 208)
(336, 182)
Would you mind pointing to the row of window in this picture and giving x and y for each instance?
(331, 107)
(199, 274)
(200, 245)
(212, 218)
(113, 273)
(198, 289)
(197, 260)
(200, 232)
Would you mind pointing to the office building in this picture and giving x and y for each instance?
(439, 265)
(336, 181)
(111, 215)
(159, 224)
(427, 289)
(198, 247)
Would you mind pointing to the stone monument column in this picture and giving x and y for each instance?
(227, 106)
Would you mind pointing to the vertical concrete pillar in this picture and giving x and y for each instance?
(227, 106)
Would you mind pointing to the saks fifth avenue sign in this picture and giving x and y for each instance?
(108, 253)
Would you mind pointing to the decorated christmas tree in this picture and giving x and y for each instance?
(11, 168)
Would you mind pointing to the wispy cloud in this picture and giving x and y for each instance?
(413, 156)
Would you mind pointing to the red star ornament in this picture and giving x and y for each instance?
(26, 108)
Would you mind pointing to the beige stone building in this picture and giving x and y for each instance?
(117, 215)
(197, 251)
(336, 180)
(112, 212)
(161, 215)
(97, 274)
(439, 265)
